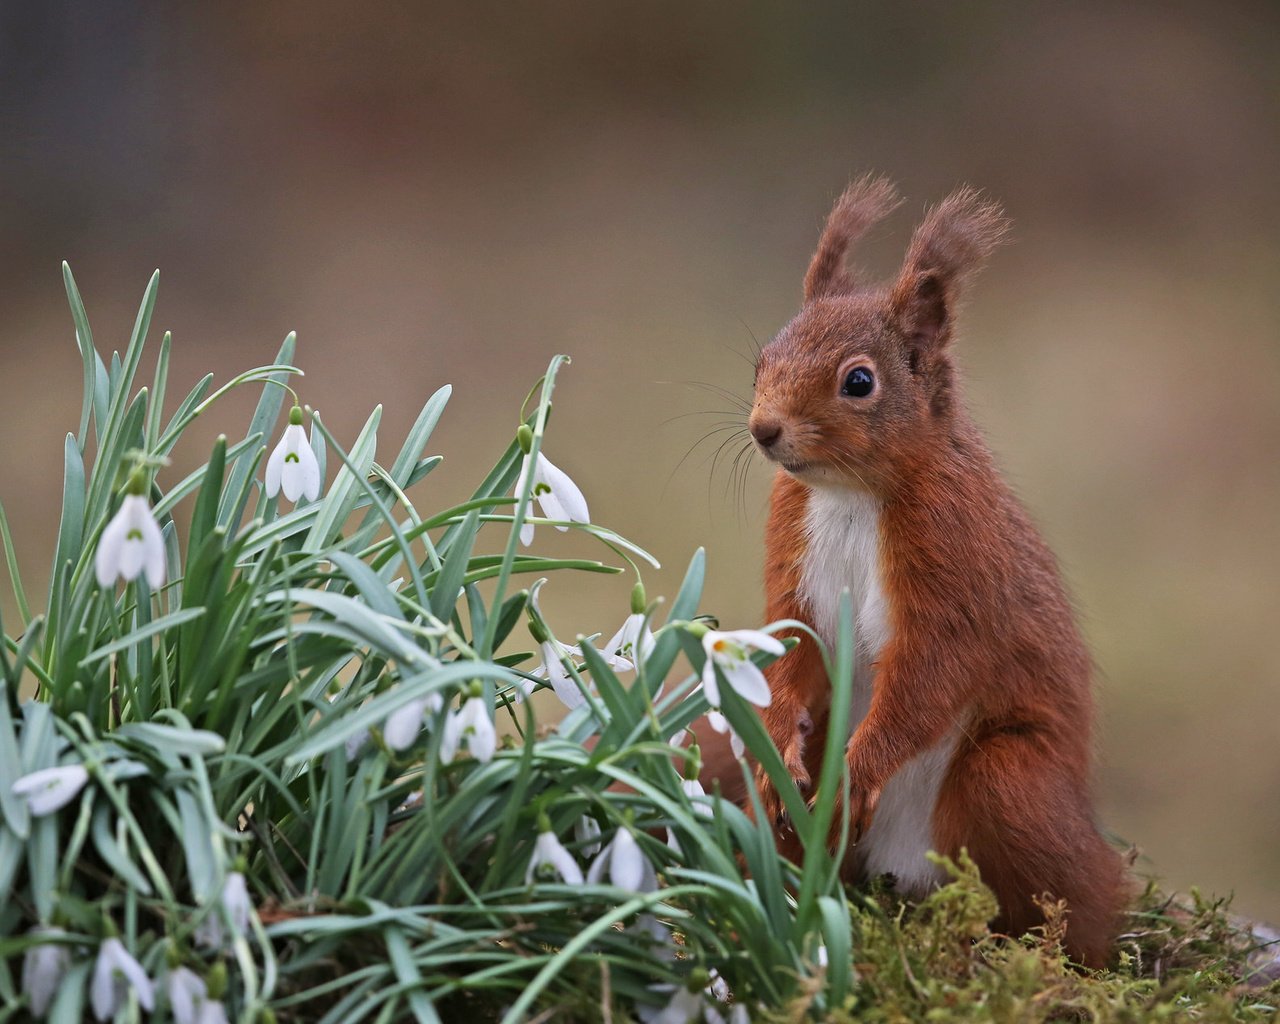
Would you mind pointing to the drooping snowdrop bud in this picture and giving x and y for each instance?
(187, 994)
(43, 967)
(471, 725)
(235, 905)
(292, 467)
(114, 973)
(586, 831)
(404, 723)
(632, 644)
(50, 789)
(628, 868)
(132, 542)
(553, 670)
(557, 496)
(550, 859)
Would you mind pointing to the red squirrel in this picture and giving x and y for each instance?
(972, 686)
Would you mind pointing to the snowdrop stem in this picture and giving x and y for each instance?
(485, 647)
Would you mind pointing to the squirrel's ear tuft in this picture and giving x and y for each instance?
(951, 244)
(866, 201)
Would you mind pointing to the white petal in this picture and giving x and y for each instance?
(236, 902)
(736, 744)
(749, 682)
(105, 993)
(102, 990)
(310, 471)
(449, 736)
(568, 497)
(209, 932)
(50, 789)
(595, 872)
(710, 685)
(138, 980)
(756, 638)
(154, 556)
(684, 1008)
(522, 475)
(483, 742)
(43, 967)
(718, 722)
(548, 850)
(212, 1012)
(187, 991)
(674, 843)
(134, 549)
(626, 867)
(551, 508)
(403, 725)
(275, 464)
(563, 685)
(355, 743)
(106, 561)
(526, 534)
(586, 830)
(563, 862)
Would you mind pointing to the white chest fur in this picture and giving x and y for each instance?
(843, 531)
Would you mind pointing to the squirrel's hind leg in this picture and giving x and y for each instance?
(1009, 801)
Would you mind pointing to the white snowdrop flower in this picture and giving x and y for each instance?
(632, 644)
(114, 972)
(187, 994)
(551, 860)
(43, 967)
(235, 905)
(404, 723)
(693, 790)
(50, 789)
(586, 831)
(292, 467)
(556, 495)
(730, 651)
(130, 544)
(552, 669)
(721, 725)
(356, 743)
(626, 864)
(212, 1012)
(473, 726)
(737, 1015)
(685, 1007)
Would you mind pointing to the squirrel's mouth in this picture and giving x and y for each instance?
(795, 467)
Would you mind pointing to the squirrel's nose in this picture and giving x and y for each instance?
(766, 432)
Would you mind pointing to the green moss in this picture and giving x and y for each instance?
(1178, 959)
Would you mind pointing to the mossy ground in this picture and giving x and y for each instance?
(1178, 959)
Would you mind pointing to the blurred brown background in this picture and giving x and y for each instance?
(454, 192)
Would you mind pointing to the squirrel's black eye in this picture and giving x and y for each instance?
(859, 383)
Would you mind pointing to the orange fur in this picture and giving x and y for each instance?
(983, 642)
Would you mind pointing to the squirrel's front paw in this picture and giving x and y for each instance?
(792, 750)
(862, 808)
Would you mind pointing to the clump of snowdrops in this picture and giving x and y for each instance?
(266, 752)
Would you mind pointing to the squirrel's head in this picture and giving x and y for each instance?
(851, 390)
